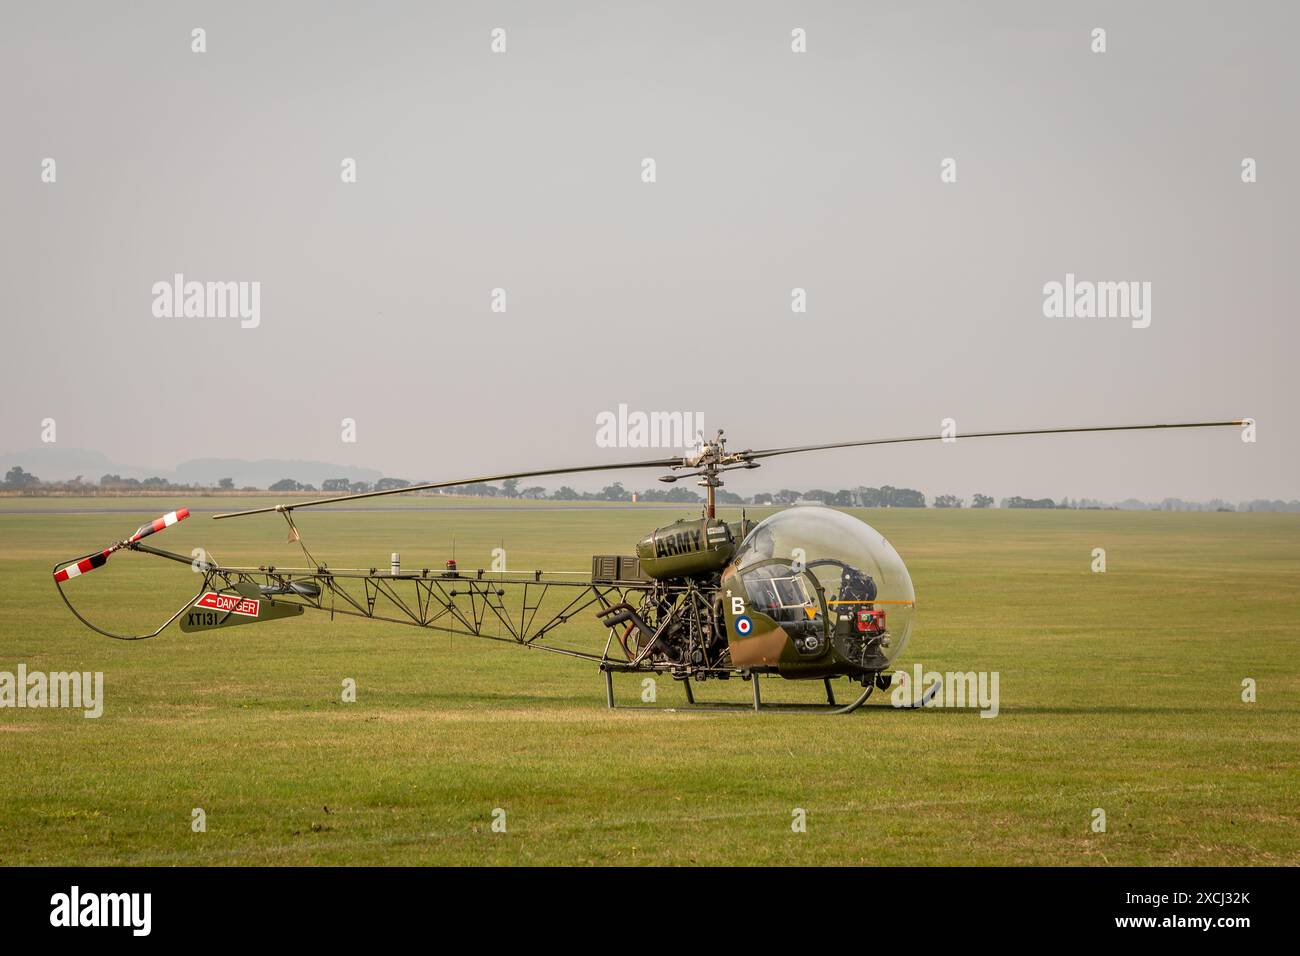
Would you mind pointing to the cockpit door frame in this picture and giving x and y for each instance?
(816, 588)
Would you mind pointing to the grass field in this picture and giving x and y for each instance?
(1119, 691)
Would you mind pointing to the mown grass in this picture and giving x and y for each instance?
(1119, 690)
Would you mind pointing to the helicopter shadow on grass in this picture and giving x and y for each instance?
(1118, 709)
(734, 708)
(507, 699)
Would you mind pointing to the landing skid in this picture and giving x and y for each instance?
(830, 707)
(928, 696)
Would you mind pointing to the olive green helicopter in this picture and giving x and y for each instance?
(808, 593)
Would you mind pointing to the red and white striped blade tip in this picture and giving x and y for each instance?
(82, 566)
(166, 521)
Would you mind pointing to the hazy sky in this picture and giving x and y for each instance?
(775, 170)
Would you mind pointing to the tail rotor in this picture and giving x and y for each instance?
(65, 571)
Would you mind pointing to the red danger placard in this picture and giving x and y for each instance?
(234, 603)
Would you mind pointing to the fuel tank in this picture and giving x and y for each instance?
(687, 548)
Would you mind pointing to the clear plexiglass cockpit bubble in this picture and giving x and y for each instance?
(852, 561)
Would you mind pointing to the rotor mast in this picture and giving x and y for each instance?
(710, 481)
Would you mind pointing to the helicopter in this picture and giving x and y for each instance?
(809, 593)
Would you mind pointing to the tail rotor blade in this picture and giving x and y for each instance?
(158, 524)
(78, 568)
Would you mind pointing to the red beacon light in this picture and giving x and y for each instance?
(871, 622)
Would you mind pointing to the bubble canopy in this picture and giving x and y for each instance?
(842, 553)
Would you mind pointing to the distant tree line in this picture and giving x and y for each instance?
(886, 496)
(1017, 502)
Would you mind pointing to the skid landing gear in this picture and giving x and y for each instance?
(830, 707)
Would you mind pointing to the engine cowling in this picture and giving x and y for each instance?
(687, 548)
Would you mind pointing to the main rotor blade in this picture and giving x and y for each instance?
(657, 463)
(679, 462)
(771, 452)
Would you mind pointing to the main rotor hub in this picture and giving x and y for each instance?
(712, 456)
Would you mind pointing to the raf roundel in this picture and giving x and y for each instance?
(743, 626)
